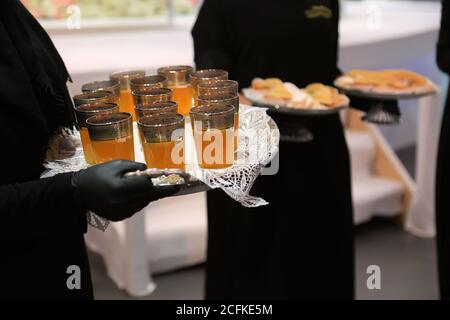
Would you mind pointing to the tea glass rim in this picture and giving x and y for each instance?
(103, 93)
(127, 74)
(220, 84)
(114, 85)
(196, 76)
(155, 104)
(175, 69)
(200, 110)
(109, 123)
(112, 106)
(215, 100)
(151, 92)
(178, 120)
(93, 96)
(137, 81)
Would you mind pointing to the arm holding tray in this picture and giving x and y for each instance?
(40, 208)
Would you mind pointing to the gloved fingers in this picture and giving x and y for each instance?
(132, 202)
(130, 208)
(144, 184)
(139, 205)
(124, 166)
(127, 198)
(123, 210)
(151, 193)
(135, 184)
(166, 191)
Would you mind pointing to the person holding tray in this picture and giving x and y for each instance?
(43, 221)
(300, 246)
(443, 164)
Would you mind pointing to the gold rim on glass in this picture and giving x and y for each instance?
(98, 96)
(149, 108)
(112, 85)
(109, 126)
(148, 82)
(87, 110)
(125, 76)
(207, 75)
(176, 75)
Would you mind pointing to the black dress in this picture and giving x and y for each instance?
(300, 246)
(443, 164)
(41, 224)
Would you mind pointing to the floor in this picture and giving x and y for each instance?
(407, 265)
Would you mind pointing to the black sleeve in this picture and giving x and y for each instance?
(210, 37)
(29, 207)
(443, 48)
(40, 208)
(337, 10)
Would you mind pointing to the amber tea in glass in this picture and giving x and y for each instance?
(104, 85)
(90, 97)
(162, 139)
(84, 112)
(157, 107)
(213, 128)
(148, 82)
(178, 80)
(111, 136)
(219, 87)
(125, 78)
(206, 76)
(221, 98)
(151, 95)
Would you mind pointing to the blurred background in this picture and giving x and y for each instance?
(166, 257)
(57, 9)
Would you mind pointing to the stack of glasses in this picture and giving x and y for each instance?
(159, 103)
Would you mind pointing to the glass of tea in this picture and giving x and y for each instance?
(84, 112)
(218, 88)
(220, 98)
(151, 95)
(206, 76)
(158, 107)
(104, 85)
(148, 82)
(178, 81)
(111, 136)
(219, 93)
(213, 128)
(125, 77)
(162, 138)
(89, 97)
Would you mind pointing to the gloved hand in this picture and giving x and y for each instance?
(104, 189)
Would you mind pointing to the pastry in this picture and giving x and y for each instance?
(265, 84)
(301, 100)
(278, 92)
(325, 95)
(314, 96)
(391, 81)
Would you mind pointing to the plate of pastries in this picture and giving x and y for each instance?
(389, 83)
(314, 99)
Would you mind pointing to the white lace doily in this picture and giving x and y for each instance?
(258, 144)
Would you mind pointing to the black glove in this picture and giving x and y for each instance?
(104, 189)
